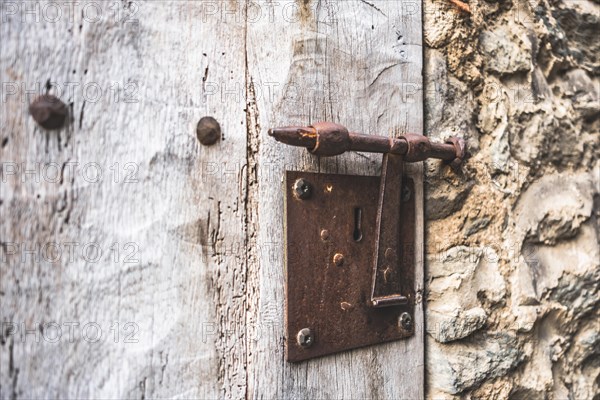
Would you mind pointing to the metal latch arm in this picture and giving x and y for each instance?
(330, 139)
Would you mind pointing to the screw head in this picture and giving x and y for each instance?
(324, 235)
(302, 189)
(208, 131)
(338, 259)
(305, 337)
(49, 112)
(405, 321)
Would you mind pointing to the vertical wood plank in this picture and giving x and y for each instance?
(167, 214)
(357, 63)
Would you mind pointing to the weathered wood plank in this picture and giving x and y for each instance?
(358, 64)
(175, 206)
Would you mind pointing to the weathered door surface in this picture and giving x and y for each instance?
(138, 263)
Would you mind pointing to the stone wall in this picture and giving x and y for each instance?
(513, 266)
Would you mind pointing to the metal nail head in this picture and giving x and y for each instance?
(338, 259)
(208, 131)
(405, 321)
(302, 189)
(305, 337)
(49, 112)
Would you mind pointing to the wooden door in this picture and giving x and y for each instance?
(138, 262)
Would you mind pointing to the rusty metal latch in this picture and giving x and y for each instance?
(357, 287)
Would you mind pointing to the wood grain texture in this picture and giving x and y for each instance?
(190, 237)
(359, 64)
(176, 212)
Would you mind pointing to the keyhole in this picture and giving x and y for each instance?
(357, 234)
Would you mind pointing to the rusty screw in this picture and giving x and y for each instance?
(302, 189)
(324, 235)
(405, 321)
(305, 337)
(338, 259)
(208, 131)
(49, 112)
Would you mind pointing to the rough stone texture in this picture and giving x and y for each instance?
(513, 266)
(450, 323)
(506, 51)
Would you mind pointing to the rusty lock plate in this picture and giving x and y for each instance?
(350, 253)
(331, 244)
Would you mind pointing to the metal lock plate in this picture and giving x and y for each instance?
(350, 250)
(331, 245)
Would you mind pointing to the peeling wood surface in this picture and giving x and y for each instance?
(175, 252)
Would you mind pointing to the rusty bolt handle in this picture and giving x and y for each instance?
(330, 139)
